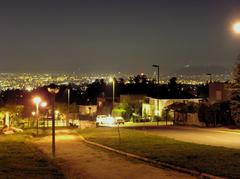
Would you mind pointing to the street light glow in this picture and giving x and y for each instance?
(37, 100)
(236, 27)
(57, 112)
(43, 104)
(110, 79)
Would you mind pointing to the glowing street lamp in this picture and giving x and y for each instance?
(37, 100)
(53, 89)
(33, 113)
(43, 104)
(236, 27)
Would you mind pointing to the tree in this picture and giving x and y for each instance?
(15, 112)
(235, 93)
(173, 87)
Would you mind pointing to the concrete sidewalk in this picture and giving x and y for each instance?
(79, 160)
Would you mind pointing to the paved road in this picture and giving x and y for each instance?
(215, 136)
(79, 160)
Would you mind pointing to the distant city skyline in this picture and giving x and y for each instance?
(117, 35)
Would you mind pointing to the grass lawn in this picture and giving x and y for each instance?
(146, 124)
(213, 160)
(22, 161)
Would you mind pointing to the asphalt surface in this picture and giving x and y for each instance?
(210, 136)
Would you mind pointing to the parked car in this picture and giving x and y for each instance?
(119, 120)
(108, 120)
(100, 119)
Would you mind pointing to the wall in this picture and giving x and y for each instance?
(190, 119)
(218, 92)
(151, 107)
(132, 99)
(90, 110)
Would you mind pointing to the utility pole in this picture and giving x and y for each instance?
(53, 89)
(158, 81)
(210, 77)
(68, 114)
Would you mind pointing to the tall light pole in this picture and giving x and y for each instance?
(53, 89)
(112, 80)
(157, 66)
(68, 113)
(158, 81)
(210, 77)
(37, 100)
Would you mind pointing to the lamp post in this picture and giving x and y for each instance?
(53, 89)
(236, 27)
(210, 77)
(69, 95)
(157, 66)
(112, 80)
(37, 100)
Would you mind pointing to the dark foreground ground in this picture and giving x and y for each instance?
(20, 160)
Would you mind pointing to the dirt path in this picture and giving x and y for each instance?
(79, 160)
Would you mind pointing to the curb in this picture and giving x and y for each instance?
(170, 166)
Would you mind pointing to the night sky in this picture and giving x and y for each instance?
(116, 35)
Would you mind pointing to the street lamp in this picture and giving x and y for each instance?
(236, 27)
(68, 113)
(112, 80)
(43, 104)
(33, 113)
(210, 77)
(157, 66)
(53, 89)
(37, 100)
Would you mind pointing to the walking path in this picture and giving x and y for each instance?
(80, 160)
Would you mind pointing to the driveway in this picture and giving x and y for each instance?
(80, 160)
(209, 136)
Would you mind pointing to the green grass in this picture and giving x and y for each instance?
(146, 124)
(41, 132)
(214, 160)
(19, 159)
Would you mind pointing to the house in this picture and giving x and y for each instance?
(181, 116)
(218, 92)
(155, 107)
(105, 105)
(87, 110)
(132, 99)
